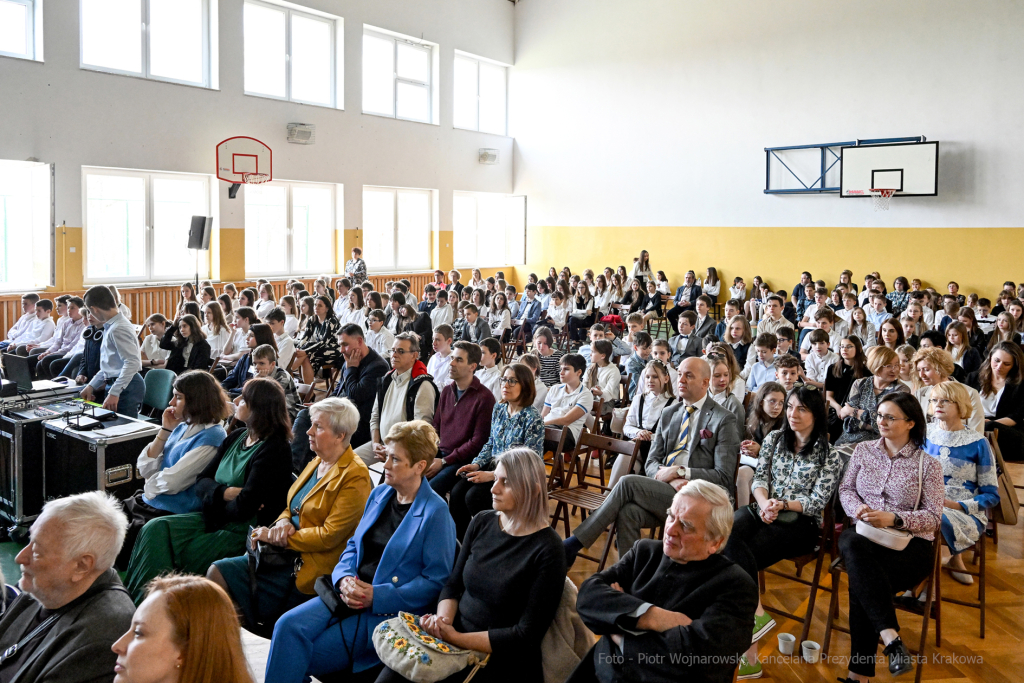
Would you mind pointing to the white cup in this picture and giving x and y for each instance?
(811, 650)
(787, 643)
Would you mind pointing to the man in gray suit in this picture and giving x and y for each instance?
(696, 439)
(70, 594)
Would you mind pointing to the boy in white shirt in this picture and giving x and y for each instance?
(40, 329)
(285, 344)
(568, 404)
(764, 369)
(490, 370)
(440, 363)
(28, 314)
(819, 360)
(379, 337)
(442, 313)
(823, 319)
(878, 315)
(983, 314)
(341, 304)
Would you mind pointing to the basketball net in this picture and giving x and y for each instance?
(881, 198)
(255, 178)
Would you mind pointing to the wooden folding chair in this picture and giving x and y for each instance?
(508, 347)
(557, 476)
(978, 574)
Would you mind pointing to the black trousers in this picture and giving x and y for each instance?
(578, 327)
(1010, 439)
(465, 501)
(673, 315)
(754, 545)
(876, 574)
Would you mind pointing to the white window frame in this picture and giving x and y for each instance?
(51, 275)
(337, 197)
(396, 267)
(336, 24)
(33, 31)
(209, 44)
(431, 85)
(459, 54)
(148, 177)
(477, 263)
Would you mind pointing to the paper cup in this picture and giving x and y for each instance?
(787, 643)
(811, 651)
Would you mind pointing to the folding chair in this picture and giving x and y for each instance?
(508, 347)
(979, 574)
(556, 436)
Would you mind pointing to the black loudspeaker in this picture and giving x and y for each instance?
(199, 233)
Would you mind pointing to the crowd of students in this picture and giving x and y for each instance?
(416, 481)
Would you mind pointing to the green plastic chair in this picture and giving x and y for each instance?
(159, 385)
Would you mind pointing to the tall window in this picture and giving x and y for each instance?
(399, 76)
(488, 230)
(289, 228)
(21, 32)
(167, 40)
(291, 55)
(480, 94)
(136, 225)
(396, 228)
(25, 225)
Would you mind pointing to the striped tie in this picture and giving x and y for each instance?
(684, 437)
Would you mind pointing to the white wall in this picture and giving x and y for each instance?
(58, 113)
(656, 112)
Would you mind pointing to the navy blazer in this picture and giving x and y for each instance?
(695, 292)
(533, 311)
(412, 571)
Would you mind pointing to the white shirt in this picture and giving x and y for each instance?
(542, 392)
(38, 331)
(380, 342)
(499, 321)
(180, 475)
(341, 305)
(151, 347)
(441, 315)
(654, 404)
(21, 326)
(264, 306)
(285, 350)
(844, 314)
(991, 402)
(817, 366)
(490, 378)
(439, 367)
(738, 292)
(608, 380)
(354, 317)
(61, 322)
(561, 400)
(712, 290)
(216, 341)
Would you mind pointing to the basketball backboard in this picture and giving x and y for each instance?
(242, 155)
(911, 169)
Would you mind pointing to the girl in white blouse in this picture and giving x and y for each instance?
(603, 378)
(738, 290)
(499, 317)
(644, 415)
(152, 355)
(558, 311)
(663, 287)
(477, 282)
(602, 295)
(582, 314)
(862, 327)
(267, 301)
(217, 331)
(356, 311)
(642, 268)
(712, 285)
(291, 321)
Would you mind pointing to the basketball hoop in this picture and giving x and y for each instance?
(881, 197)
(255, 178)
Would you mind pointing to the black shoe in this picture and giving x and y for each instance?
(900, 661)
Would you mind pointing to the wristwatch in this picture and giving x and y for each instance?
(897, 522)
(785, 505)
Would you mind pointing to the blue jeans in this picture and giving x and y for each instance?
(71, 369)
(445, 480)
(308, 642)
(130, 400)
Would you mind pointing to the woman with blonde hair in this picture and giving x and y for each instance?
(185, 631)
(934, 366)
(861, 407)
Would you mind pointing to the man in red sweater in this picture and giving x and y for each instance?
(462, 418)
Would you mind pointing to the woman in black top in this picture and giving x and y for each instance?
(411, 320)
(634, 298)
(187, 343)
(507, 583)
(318, 345)
(1002, 394)
(840, 378)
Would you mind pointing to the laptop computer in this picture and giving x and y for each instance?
(18, 371)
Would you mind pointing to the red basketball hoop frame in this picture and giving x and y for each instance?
(880, 197)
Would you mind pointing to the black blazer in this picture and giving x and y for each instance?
(718, 595)
(268, 477)
(198, 359)
(1011, 403)
(359, 385)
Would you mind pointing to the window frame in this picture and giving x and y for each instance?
(147, 177)
(5, 287)
(33, 34)
(144, 32)
(431, 86)
(477, 263)
(337, 197)
(470, 57)
(395, 266)
(336, 25)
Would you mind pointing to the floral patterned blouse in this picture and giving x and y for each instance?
(862, 397)
(891, 484)
(899, 302)
(357, 267)
(525, 428)
(808, 480)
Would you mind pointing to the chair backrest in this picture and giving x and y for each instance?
(159, 386)
(590, 441)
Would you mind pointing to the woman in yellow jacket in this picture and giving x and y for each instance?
(325, 505)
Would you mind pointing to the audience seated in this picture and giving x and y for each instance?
(644, 416)
(398, 559)
(860, 411)
(259, 335)
(438, 365)
(934, 367)
(324, 505)
(685, 299)
(890, 483)
(248, 478)
(1002, 397)
(20, 329)
(277, 320)
(64, 341)
(185, 630)
(189, 437)
(67, 574)
(38, 331)
(689, 618)
(186, 342)
(317, 346)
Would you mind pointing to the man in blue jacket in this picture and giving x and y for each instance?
(685, 299)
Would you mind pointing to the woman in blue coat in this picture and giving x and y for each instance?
(399, 559)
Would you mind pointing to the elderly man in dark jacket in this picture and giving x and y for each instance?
(73, 606)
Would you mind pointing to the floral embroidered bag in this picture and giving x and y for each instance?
(407, 649)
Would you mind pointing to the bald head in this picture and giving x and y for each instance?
(694, 378)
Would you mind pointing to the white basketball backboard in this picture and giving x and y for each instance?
(240, 155)
(912, 169)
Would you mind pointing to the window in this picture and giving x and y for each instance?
(21, 24)
(480, 94)
(136, 225)
(488, 230)
(289, 228)
(396, 228)
(167, 40)
(399, 74)
(291, 55)
(26, 247)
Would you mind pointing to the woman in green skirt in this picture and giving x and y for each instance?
(244, 485)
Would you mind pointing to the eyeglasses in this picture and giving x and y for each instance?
(890, 367)
(509, 381)
(939, 402)
(399, 352)
(773, 403)
(847, 347)
(889, 419)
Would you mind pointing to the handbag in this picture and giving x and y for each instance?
(784, 517)
(894, 539)
(1006, 511)
(262, 555)
(407, 649)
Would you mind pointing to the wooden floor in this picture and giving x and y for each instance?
(962, 656)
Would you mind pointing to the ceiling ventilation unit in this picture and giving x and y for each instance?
(301, 133)
(488, 156)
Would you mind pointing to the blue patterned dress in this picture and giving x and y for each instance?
(969, 474)
(525, 428)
